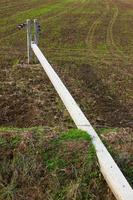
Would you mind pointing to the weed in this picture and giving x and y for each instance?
(75, 134)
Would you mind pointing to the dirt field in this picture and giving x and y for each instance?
(92, 39)
(90, 44)
(126, 4)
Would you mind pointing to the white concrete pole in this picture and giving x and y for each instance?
(36, 36)
(111, 172)
(29, 39)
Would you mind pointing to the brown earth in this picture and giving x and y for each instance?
(120, 143)
(127, 4)
(92, 52)
(90, 49)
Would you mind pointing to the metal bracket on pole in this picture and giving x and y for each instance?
(36, 35)
(29, 39)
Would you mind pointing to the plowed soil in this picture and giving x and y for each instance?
(126, 4)
(89, 43)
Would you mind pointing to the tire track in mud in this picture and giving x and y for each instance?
(111, 44)
(107, 102)
(74, 51)
(113, 48)
(90, 36)
(110, 38)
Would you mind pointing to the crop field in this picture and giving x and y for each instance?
(90, 45)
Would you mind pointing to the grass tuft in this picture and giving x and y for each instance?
(76, 134)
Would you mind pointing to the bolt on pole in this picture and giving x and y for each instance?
(29, 39)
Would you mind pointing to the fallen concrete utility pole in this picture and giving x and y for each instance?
(111, 172)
